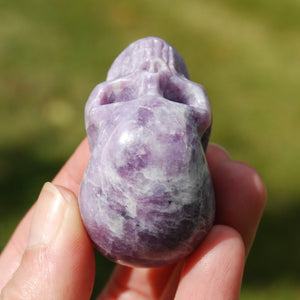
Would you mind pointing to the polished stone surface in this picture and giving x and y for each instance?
(146, 198)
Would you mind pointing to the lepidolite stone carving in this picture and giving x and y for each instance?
(146, 198)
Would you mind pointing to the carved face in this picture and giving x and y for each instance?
(146, 198)
(151, 67)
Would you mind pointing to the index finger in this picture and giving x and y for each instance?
(71, 174)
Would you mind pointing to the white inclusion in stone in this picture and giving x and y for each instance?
(154, 173)
(115, 225)
(126, 137)
(131, 206)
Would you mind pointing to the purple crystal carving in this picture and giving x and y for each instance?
(146, 198)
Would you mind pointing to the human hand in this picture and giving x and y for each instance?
(51, 257)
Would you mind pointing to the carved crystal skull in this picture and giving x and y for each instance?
(146, 198)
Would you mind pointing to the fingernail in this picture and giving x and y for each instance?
(48, 215)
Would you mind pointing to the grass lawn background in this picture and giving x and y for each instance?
(246, 54)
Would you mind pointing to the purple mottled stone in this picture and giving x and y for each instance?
(146, 198)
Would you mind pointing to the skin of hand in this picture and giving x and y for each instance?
(50, 255)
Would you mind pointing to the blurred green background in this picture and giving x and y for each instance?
(246, 54)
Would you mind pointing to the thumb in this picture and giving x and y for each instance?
(58, 262)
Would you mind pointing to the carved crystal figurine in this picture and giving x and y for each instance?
(146, 198)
